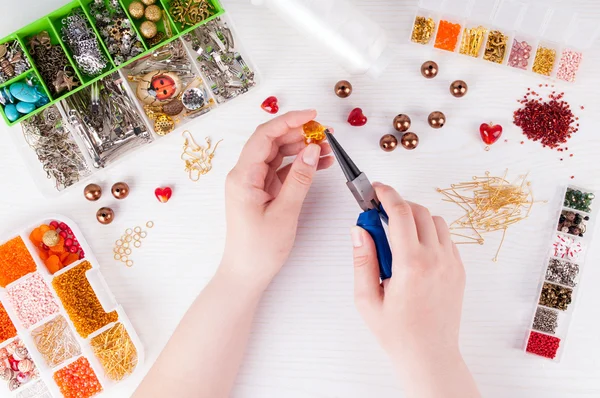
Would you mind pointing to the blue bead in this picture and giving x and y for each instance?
(11, 112)
(42, 101)
(8, 95)
(23, 92)
(25, 107)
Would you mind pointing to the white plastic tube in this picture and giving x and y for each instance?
(354, 40)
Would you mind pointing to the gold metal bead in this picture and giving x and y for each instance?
(153, 13)
(136, 10)
(148, 29)
(51, 238)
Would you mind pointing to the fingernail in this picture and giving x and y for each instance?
(356, 237)
(311, 154)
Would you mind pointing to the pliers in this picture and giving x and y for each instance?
(373, 215)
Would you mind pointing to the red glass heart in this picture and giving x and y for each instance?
(270, 105)
(357, 118)
(163, 194)
(490, 133)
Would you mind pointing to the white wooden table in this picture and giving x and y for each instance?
(308, 340)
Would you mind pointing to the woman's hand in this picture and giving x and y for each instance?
(415, 315)
(264, 200)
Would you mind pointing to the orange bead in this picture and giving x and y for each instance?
(53, 264)
(15, 261)
(71, 258)
(36, 236)
(447, 36)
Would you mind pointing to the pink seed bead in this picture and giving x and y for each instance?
(32, 300)
(569, 65)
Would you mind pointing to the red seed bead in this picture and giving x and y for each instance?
(73, 249)
(63, 226)
(543, 345)
(54, 224)
(45, 247)
(68, 242)
(81, 255)
(63, 234)
(549, 121)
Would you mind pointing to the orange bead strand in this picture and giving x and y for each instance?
(447, 36)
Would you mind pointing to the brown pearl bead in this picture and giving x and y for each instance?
(429, 70)
(402, 123)
(120, 190)
(343, 89)
(92, 192)
(105, 215)
(437, 120)
(388, 142)
(459, 88)
(410, 141)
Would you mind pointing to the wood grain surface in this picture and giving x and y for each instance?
(308, 340)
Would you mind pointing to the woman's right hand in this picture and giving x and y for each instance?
(416, 314)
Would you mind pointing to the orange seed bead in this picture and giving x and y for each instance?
(447, 36)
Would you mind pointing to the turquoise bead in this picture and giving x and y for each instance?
(23, 92)
(25, 107)
(11, 112)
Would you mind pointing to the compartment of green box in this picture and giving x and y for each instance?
(9, 41)
(162, 25)
(35, 28)
(58, 19)
(22, 79)
(86, 4)
(182, 13)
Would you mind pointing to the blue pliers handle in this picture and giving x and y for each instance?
(370, 221)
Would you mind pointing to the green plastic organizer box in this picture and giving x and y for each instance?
(52, 22)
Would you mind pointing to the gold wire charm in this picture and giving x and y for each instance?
(198, 159)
